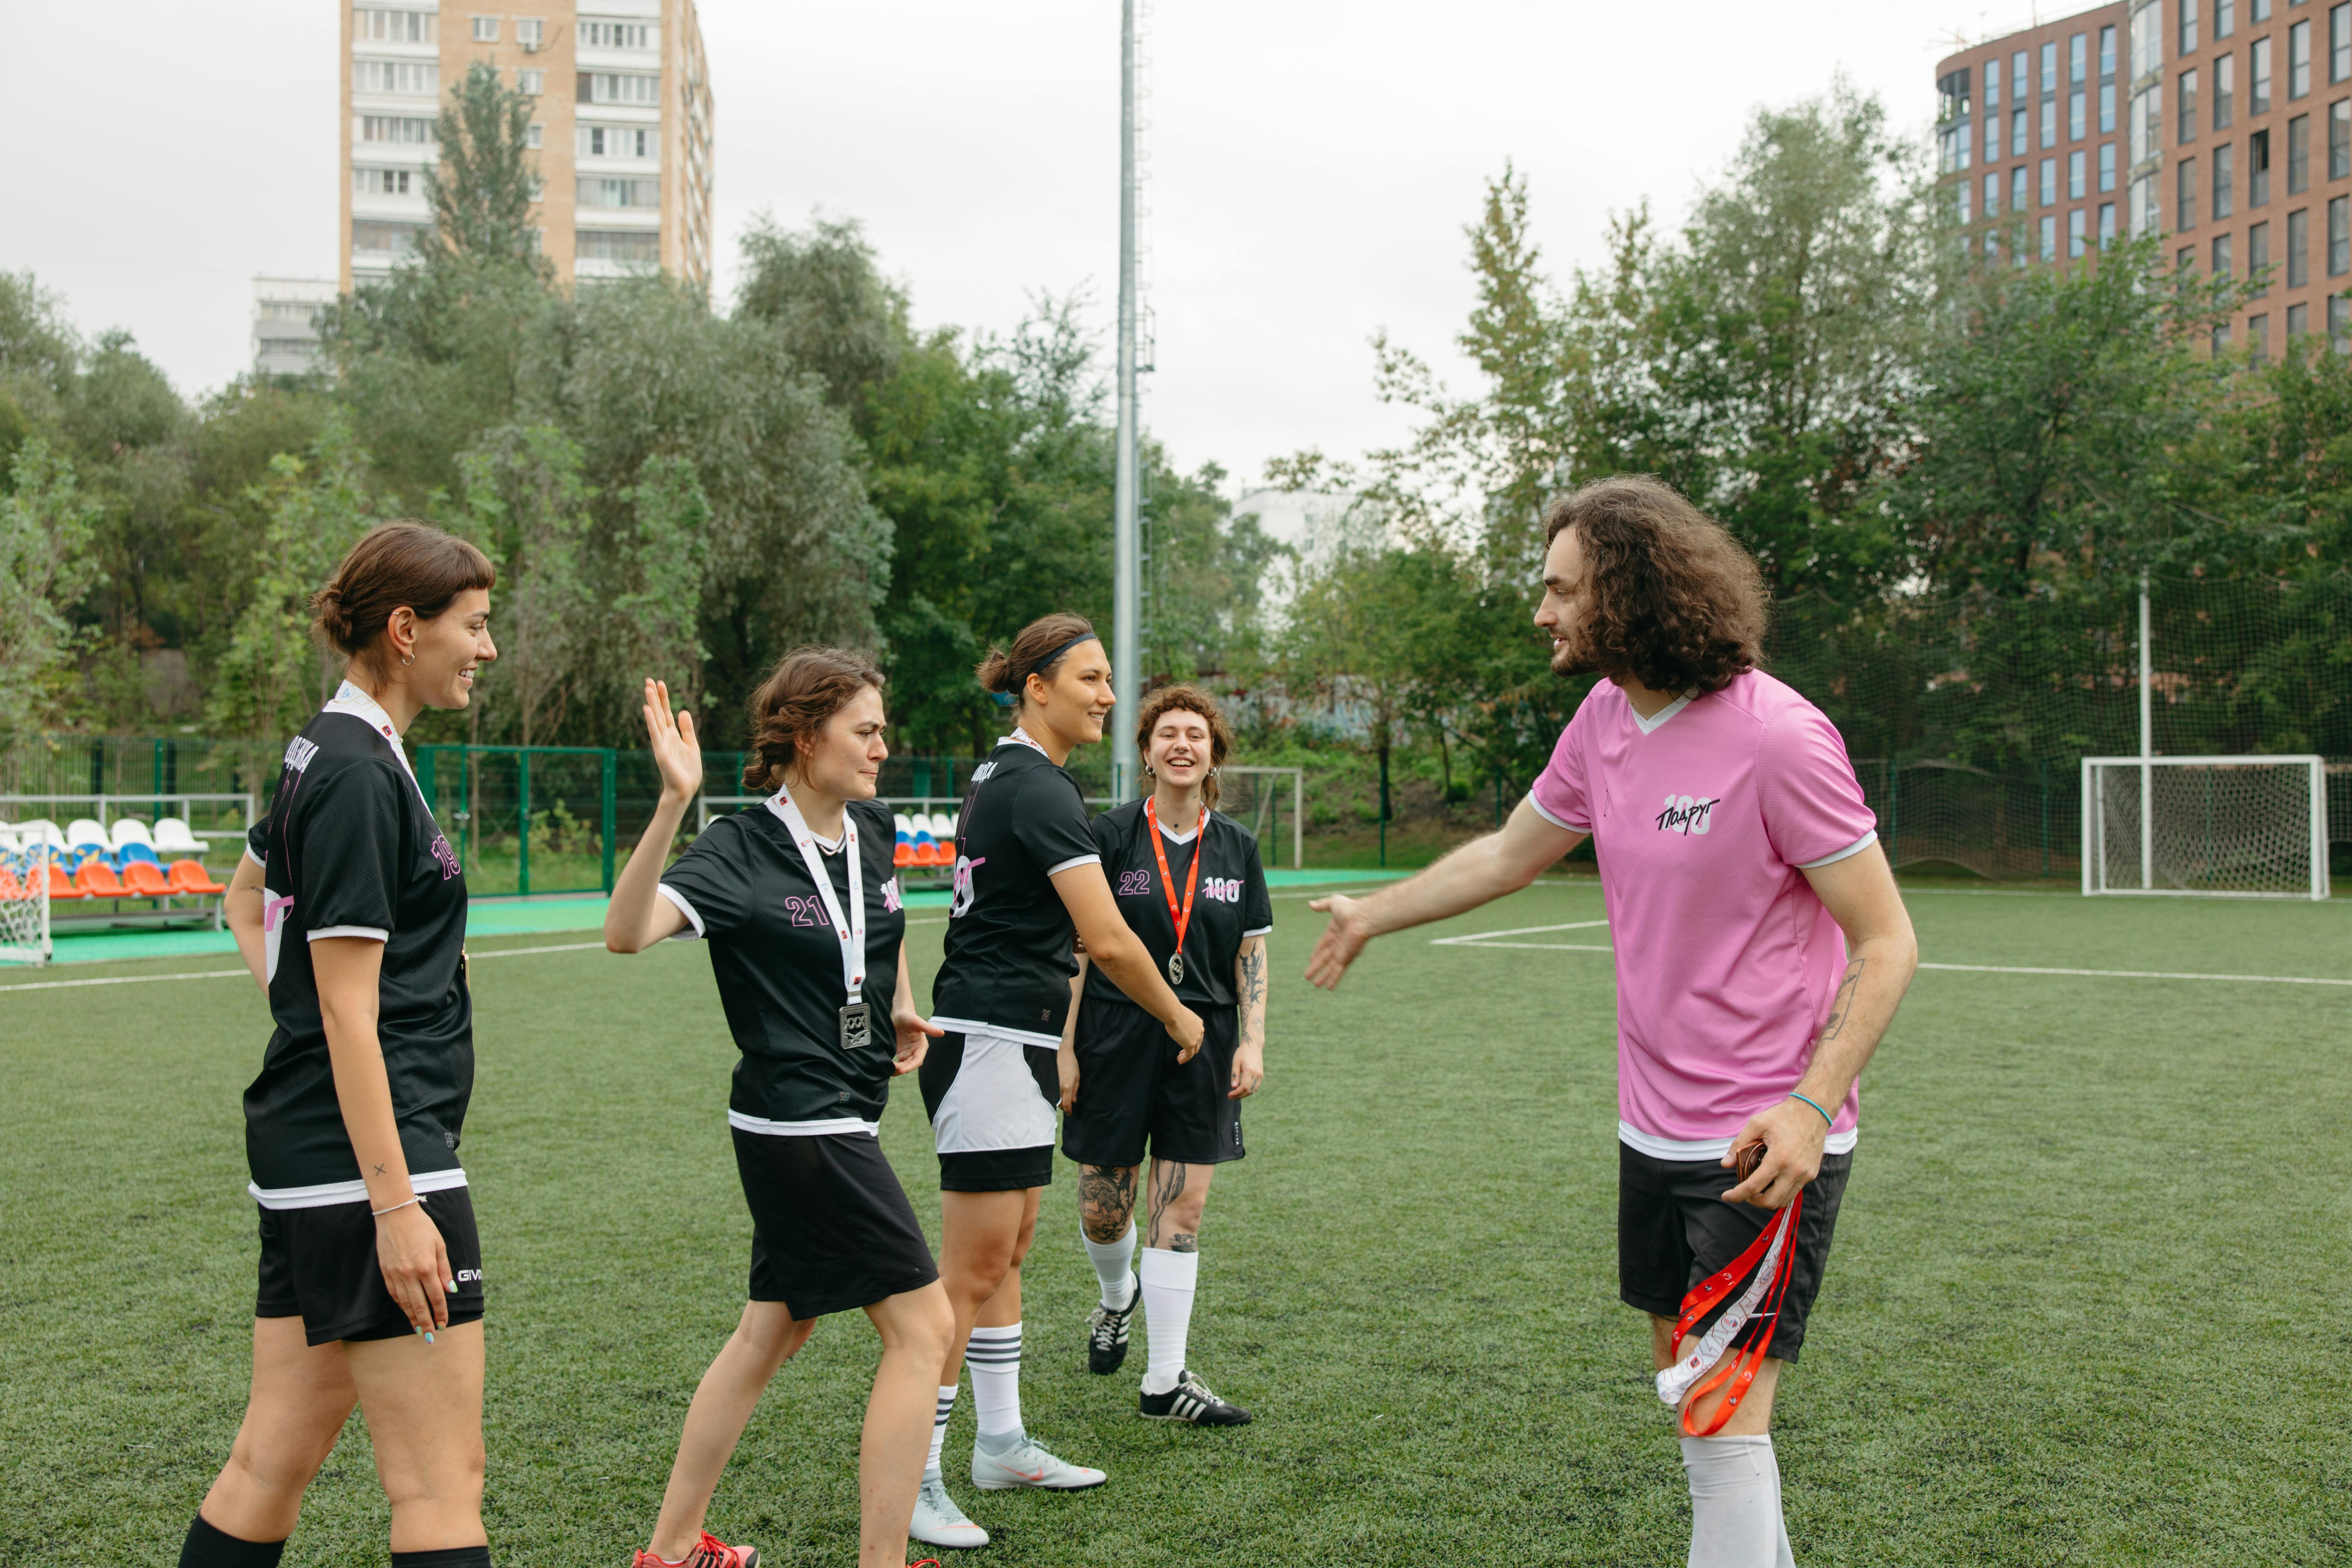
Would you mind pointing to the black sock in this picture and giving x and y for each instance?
(206, 1547)
(449, 1557)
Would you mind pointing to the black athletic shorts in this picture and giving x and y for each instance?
(831, 1226)
(1674, 1230)
(1131, 1090)
(320, 1264)
(993, 1100)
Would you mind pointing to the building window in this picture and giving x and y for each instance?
(535, 137)
(383, 182)
(1992, 136)
(2339, 42)
(2184, 195)
(388, 26)
(416, 78)
(2077, 175)
(2225, 182)
(2147, 213)
(2147, 40)
(2298, 249)
(2259, 10)
(2340, 139)
(2257, 169)
(1992, 195)
(486, 30)
(2225, 19)
(619, 86)
(2187, 29)
(2258, 89)
(2220, 340)
(397, 238)
(2298, 321)
(1966, 192)
(2050, 70)
(616, 142)
(2258, 339)
(2106, 109)
(2147, 125)
(2225, 91)
(2339, 323)
(530, 32)
(2049, 182)
(638, 246)
(2339, 236)
(2184, 261)
(2017, 178)
(2049, 237)
(1952, 96)
(2049, 122)
(2258, 259)
(2298, 60)
(2107, 82)
(615, 34)
(2185, 106)
(1992, 83)
(400, 129)
(2298, 154)
(2017, 133)
(609, 193)
(2221, 256)
(2078, 235)
(2106, 166)
(530, 83)
(1952, 145)
(2106, 54)
(2107, 225)
(2078, 124)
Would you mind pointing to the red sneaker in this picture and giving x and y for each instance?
(708, 1552)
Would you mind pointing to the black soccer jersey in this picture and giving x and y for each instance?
(1230, 903)
(350, 849)
(775, 954)
(1008, 959)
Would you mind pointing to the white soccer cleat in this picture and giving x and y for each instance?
(1027, 1464)
(938, 1522)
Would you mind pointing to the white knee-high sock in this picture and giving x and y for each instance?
(1734, 1486)
(995, 1357)
(1168, 1278)
(940, 1429)
(1114, 1264)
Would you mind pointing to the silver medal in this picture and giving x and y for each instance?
(1175, 969)
(856, 1027)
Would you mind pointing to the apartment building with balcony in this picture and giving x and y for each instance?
(2223, 125)
(623, 128)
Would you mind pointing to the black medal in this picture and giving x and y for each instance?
(856, 1027)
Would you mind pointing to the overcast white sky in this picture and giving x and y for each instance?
(1312, 164)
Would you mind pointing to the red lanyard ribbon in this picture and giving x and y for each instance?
(1772, 1258)
(1168, 884)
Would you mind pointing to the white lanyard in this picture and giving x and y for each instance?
(1022, 737)
(851, 931)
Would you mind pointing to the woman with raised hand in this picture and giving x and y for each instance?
(349, 908)
(1124, 1084)
(1028, 878)
(799, 902)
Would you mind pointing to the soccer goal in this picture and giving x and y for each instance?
(2242, 828)
(25, 904)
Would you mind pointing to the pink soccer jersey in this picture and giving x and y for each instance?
(1705, 819)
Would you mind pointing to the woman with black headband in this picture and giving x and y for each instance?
(1027, 877)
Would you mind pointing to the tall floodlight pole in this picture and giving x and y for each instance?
(2147, 746)
(1126, 576)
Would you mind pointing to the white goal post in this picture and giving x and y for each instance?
(24, 906)
(2218, 828)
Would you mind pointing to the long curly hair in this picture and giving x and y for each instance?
(809, 685)
(1188, 699)
(1670, 597)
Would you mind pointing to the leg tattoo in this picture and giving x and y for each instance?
(1167, 1186)
(1105, 1200)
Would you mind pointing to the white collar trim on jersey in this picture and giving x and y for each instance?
(1650, 725)
(1189, 835)
(1021, 737)
(349, 698)
(830, 846)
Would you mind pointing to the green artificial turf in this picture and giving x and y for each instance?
(2085, 1306)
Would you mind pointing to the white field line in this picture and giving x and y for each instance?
(1483, 940)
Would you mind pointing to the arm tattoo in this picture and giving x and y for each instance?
(379, 1170)
(1105, 1200)
(1842, 1006)
(1253, 965)
(1167, 1186)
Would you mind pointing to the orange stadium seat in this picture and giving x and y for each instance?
(190, 877)
(904, 854)
(10, 888)
(145, 878)
(61, 885)
(97, 880)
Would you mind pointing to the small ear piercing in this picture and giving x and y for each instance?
(408, 659)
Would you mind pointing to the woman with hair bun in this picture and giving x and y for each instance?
(349, 908)
(800, 904)
(1122, 1085)
(1028, 878)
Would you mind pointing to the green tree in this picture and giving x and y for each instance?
(481, 192)
(525, 502)
(46, 564)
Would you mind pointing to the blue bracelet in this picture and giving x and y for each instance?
(1825, 1115)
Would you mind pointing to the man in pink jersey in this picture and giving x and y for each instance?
(1761, 950)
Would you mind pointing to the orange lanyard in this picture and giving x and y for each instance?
(1183, 917)
(1774, 1248)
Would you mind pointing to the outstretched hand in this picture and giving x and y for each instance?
(1342, 941)
(915, 1034)
(676, 751)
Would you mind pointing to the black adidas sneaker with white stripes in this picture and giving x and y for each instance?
(1107, 1332)
(1190, 1401)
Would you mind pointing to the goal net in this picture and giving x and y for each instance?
(25, 904)
(2217, 826)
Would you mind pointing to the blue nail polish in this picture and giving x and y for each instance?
(428, 1338)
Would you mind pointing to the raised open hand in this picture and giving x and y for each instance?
(677, 752)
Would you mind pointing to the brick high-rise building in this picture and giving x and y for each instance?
(2225, 125)
(624, 127)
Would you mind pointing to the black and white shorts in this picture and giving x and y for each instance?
(320, 1264)
(1674, 1230)
(1131, 1091)
(831, 1228)
(992, 1099)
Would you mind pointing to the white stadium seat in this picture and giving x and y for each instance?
(131, 830)
(172, 837)
(84, 830)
